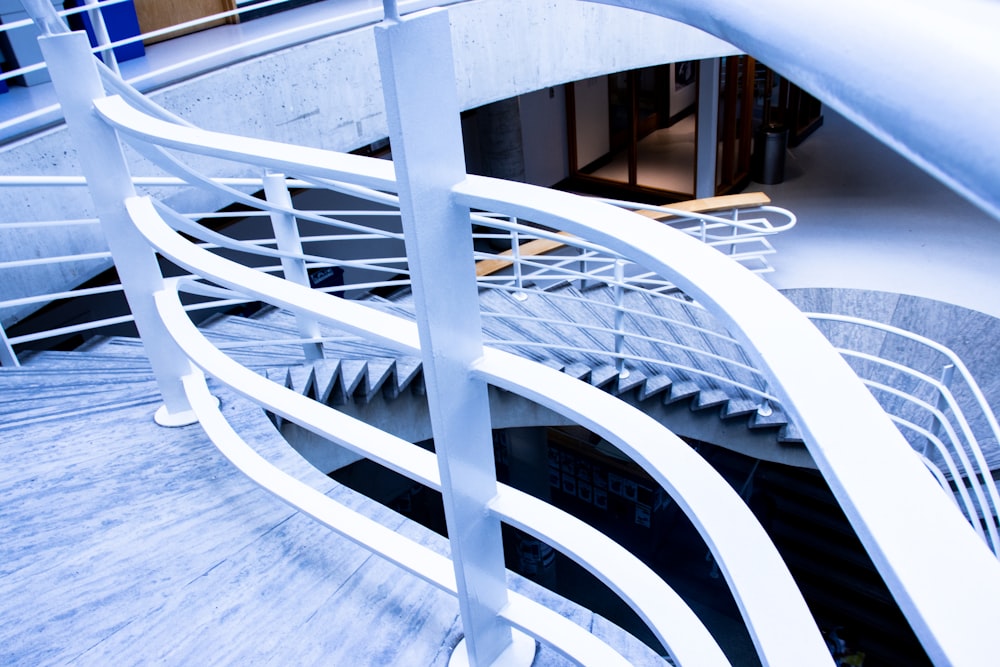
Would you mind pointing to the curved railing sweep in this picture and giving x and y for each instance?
(912, 535)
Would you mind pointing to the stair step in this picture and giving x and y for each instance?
(654, 385)
(775, 420)
(682, 390)
(739, 407)
(790, 434)
(379, 370)
(634, 380)
(709, 398)
(577, 370)
(603, 375)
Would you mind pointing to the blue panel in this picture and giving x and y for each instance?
(121, 22)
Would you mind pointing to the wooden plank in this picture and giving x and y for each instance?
(536, 247)
(710, 204)
(488, 267)
(157, 14)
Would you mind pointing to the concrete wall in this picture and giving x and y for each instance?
(327, 94)
(543, 132)
(592, 140)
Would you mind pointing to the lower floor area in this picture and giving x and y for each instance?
(588, 478)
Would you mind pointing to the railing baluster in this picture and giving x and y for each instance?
(101, 34)
(77, 83)
(735, 232)
(286, 233)
(620, 319)
(418, 82)
(947, 375)
(515, 252)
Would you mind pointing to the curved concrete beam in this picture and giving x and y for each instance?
(919, 75)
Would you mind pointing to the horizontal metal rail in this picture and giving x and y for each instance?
(651, 598)
(364, 322)
(212, 56)
(911, 537)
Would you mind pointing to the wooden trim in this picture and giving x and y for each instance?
(746, 117)
(710, 204)
(488, 267)
(156, 14)
(537, 247)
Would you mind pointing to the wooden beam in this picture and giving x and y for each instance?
(709, 204)
(488, 267)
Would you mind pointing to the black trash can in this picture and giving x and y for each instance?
(770, 146)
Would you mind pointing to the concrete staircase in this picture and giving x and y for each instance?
(357, 376)
(109, 375)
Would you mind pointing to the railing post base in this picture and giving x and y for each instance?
(520, 653)
(163, 416)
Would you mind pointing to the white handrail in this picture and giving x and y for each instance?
(48, 21)
(652, 599)
(756, 600)
(748, 308)
(853, 454)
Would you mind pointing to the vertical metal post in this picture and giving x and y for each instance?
(286, 233)
(584, 266)
(101, 34)
(515, 252)
(620, 319)
(736, 230)
(418, 81)
(708, 128)
(77, 84)
(947, 375)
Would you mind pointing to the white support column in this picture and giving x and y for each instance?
(77, 83)
(418, 81)
(708, 127)
(286, 233)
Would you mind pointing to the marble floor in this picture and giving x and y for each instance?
(867, 218)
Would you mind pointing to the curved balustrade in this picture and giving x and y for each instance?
(702, 500)
(585, 264)
(910, 536)
(675, 625)
(205, 56)
(967, 423)
(625, 343)
(488, 198)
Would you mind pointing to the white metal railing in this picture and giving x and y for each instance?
(596, 265)
(626, 331)
(199, 56)
(951, 419)
(858, 455)
(731, 530)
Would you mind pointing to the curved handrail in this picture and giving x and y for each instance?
(47, 20)
(707, 498)
(750, 309)
(853, 455)
(980, 475)
(947, 352)
(650, 597)
(416, 558)
(511, 228)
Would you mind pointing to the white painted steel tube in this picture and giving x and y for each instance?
(910, 533)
